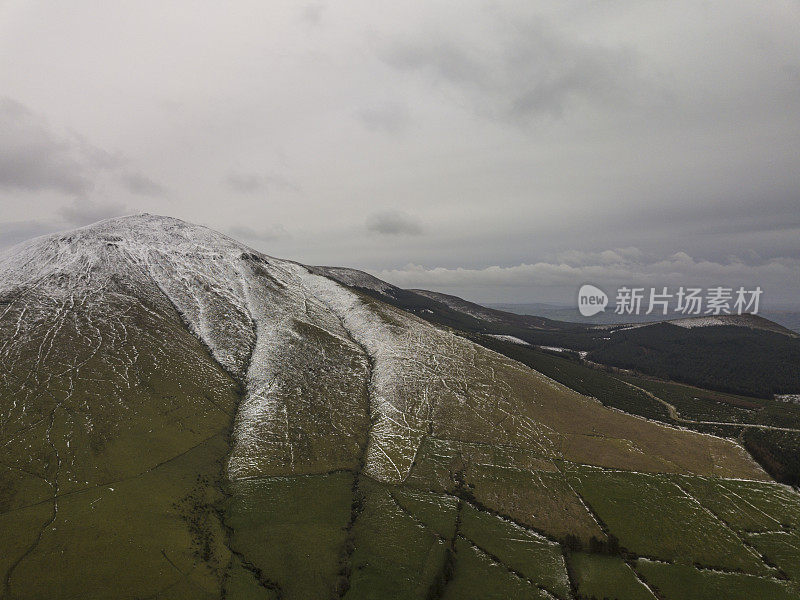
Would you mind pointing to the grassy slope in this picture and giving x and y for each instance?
(479, 486)
(114, 435)
(683, 531)
(777, 451)
(286, 526)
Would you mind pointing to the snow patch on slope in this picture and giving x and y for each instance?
(713, 321)
(509, 338)
(395, 434)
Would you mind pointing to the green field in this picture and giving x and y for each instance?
(653, 516)
(679, 582)
(394, 556)
(601, 576)
(533, 557)
(435, 511)
(285, 525)
(780, 548)
(478, 577)
(745, 506)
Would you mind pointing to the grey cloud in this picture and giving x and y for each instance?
(542, 132)
(529, 72)
(749, 205)
(249, 183)
(391, 118)
(140, 184)
(85, 212)
(18, 231)
(96, 157)
(311, 14)
(262, 234)
(393, 222)
(33, 157)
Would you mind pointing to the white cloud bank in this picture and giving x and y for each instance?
(608, 269)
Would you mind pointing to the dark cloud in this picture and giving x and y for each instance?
(250, 183)
(392, 222)
(85, 212)
(392, 117)
(140, 184)
(755, 199)
(33, 157)
(530, 71)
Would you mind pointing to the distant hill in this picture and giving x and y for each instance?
(790, 319)
(745, 354)
(750, 356)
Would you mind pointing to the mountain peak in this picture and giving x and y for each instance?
(112, 244)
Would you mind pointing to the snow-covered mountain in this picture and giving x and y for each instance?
(251, 311)
(182, 416)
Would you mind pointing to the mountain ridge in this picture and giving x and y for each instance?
(362, 279)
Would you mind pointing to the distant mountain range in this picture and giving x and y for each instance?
(785, 317)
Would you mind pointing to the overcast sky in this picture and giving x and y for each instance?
(502, 151)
